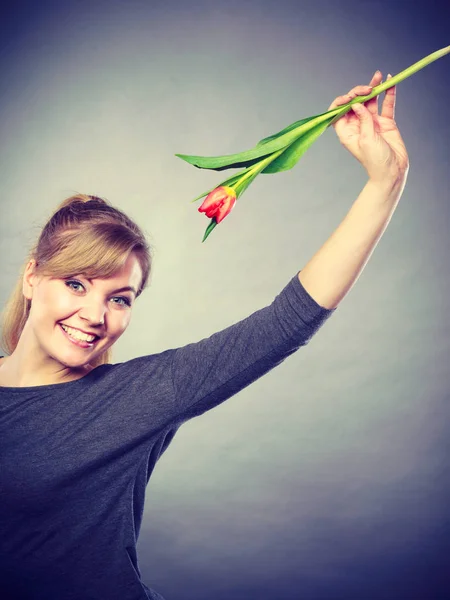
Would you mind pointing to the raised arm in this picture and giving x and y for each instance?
(375, 141)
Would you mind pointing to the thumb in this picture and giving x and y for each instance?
(365, 119)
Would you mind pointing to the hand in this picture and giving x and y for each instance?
(372, 138)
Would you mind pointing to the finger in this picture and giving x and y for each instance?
(372, 104)
(376, 78)
(366, 121)
(359, 90)
(388, 106)
(339, 101)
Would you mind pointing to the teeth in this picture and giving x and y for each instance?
(78, 335)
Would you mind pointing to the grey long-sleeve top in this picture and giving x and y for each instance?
(75, 457)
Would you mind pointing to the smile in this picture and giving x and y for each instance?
(78, 342)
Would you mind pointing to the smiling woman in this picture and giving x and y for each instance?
(87, 235)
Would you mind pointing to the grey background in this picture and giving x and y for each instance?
(328, 478)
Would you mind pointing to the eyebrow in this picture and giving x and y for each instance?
(127, 288)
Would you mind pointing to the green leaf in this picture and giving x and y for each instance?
(261, 150)
(285, 130)
(210, 227)
(230, 161)
(293, 153)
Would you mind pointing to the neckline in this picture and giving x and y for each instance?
(47, 386)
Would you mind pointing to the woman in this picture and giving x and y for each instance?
(79, 436)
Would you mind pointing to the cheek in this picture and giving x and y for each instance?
(60, 303)
(124, 321)
(47, 303)
(50, 305)
(117, 325)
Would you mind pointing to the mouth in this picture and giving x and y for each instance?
(79, 343)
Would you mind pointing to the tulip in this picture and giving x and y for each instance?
(233, 187)
(219, 202)
(281, 151)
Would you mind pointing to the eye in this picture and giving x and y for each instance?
(127, 302)
(71, 282)
(68, 283)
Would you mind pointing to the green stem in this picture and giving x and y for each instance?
(253, 171)
(343, 109)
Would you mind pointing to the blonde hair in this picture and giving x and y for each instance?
(85, 234)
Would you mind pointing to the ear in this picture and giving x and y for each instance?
(29, 279)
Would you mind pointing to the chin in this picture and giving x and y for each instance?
(71, 363)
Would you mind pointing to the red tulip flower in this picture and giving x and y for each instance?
(219, 203)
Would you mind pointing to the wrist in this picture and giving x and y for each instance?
(390, 185)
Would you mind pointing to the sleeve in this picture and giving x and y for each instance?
(206, 373)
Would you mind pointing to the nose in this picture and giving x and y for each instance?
(94, 317)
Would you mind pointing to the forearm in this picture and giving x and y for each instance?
(332, 271)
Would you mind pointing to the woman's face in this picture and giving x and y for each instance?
(93, 306)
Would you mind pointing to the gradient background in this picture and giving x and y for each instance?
(329, 477)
